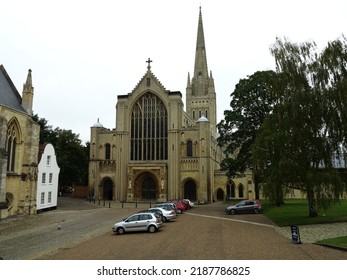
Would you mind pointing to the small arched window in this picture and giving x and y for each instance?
(189, 148)
(108, 151)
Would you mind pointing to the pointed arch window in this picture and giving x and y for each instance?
(189, 148)
(11, 146)
(241, 189)
(230, 190)
(149, 129)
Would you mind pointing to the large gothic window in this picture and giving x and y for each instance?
(11, 146)
(149, 129)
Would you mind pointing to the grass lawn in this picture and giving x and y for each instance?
(338, 241)
(295, 212)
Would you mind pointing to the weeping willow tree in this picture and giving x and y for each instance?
(300, 143)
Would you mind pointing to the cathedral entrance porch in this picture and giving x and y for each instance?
(147, 183)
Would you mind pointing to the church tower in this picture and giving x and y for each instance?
(200, 91)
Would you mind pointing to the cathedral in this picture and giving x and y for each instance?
(158, 151)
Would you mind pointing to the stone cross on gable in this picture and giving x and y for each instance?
(149, 63)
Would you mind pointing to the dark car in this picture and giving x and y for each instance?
(245, 206)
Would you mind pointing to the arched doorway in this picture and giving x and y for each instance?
(220, 195)
(190, 190)
(107, 189)
(148, 188)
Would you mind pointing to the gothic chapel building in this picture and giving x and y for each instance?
(158, 151)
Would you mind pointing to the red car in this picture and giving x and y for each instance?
(185, 204)
(178, 204)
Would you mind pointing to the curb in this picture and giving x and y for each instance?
(341, 248)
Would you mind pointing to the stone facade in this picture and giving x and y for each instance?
(19, 145)
(158, 151)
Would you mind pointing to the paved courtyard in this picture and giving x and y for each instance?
(204, 232)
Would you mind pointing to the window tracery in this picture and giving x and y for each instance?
(149, 129)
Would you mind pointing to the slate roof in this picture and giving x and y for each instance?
(9, 96)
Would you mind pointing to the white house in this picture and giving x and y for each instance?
(47, 180)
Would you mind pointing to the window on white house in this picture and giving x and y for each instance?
(50, 178)
(43, 178)
(48, 160)
(49, 197)
(42, 198)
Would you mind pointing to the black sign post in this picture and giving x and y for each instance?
(295, 234)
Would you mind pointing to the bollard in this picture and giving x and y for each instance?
(109, 204)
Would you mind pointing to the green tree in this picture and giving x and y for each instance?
(47, 133)
(307, 131)
(251, 101)
(72, 156)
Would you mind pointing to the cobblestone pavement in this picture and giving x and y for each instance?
(31, 237)
(314, 233)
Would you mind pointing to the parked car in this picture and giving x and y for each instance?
(245, 206)
(168, 214)
(168, 206)
(154, 211)
(139, 222)
(191, 204)
(179, 205)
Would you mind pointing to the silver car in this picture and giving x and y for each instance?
(139, 222)
(168, 214)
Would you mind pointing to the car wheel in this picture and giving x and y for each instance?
(164, 219)
(120, 230)
(256, 211)
(152, 229)
(232, 212)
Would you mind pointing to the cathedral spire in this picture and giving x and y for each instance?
(200, 69)
(200, 92)
(28, 94)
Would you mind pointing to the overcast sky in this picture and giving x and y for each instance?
(84, 53)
